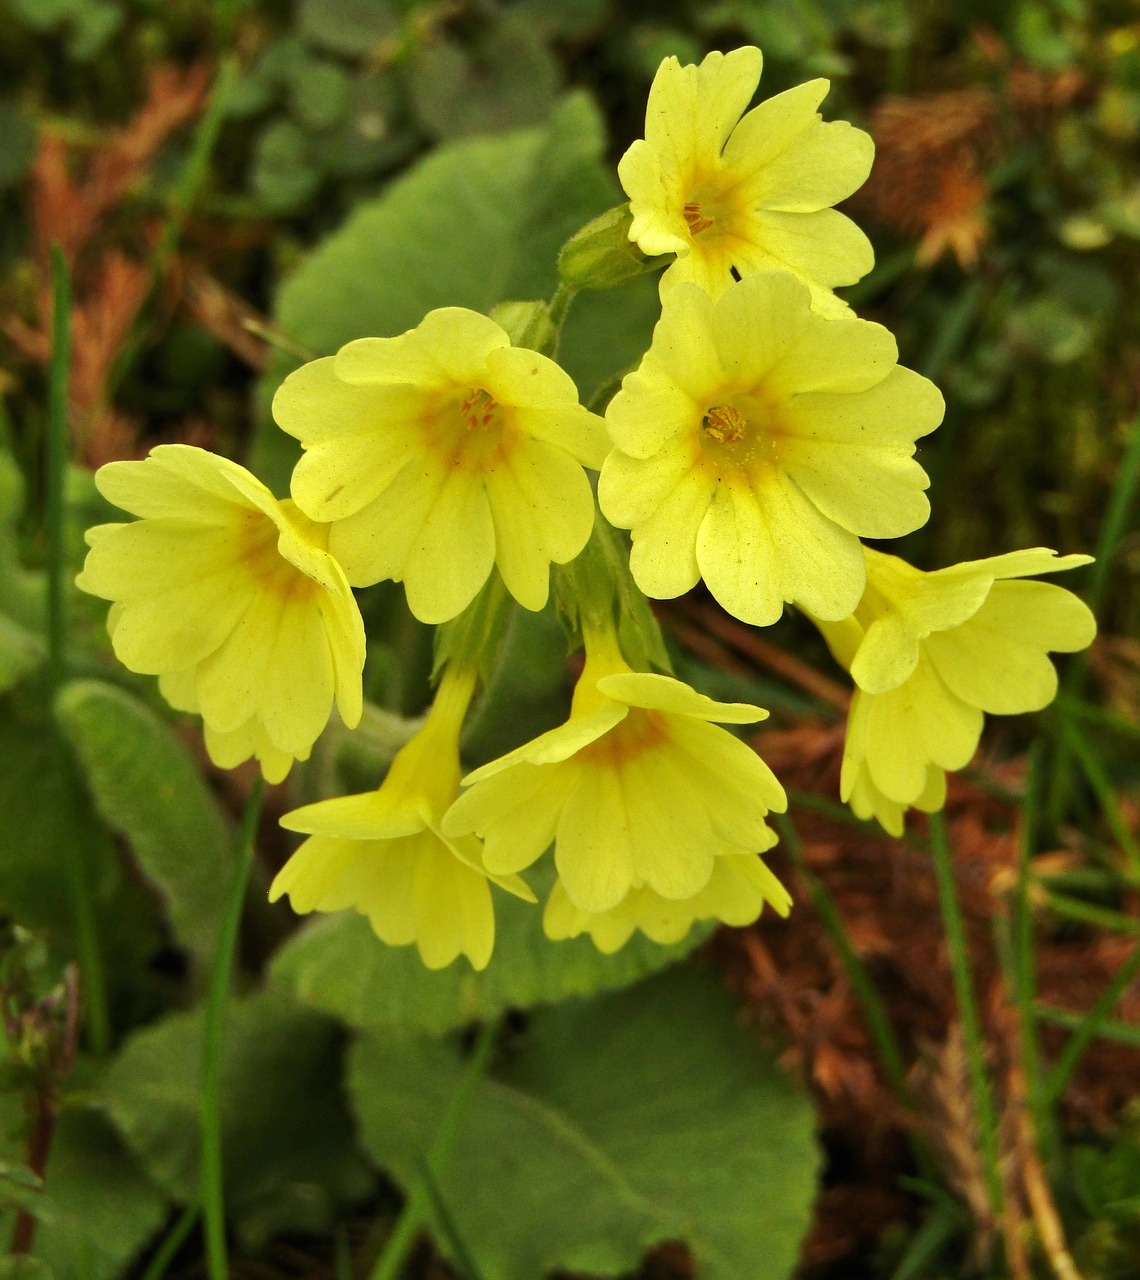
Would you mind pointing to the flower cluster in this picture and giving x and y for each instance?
(765, 432)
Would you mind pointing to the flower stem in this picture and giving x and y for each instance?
(983, 1099)
(419, 1200)
(211, 1186)
(58, 452)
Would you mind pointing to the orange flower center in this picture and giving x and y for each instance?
(697, 221)
(742, 434)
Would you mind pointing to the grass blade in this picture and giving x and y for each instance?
(58, 448)
(983, 1098)
(1089, 1026)
(211, 1190)
(415, 1210)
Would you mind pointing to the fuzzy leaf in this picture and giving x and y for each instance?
(146, 786)
(647, 1116)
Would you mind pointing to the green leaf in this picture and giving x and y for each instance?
(502, 79)
(348, 27)
(320, 94)
(17, 144)
(146, 786)
(283, 172)
(476, 223)
(21, 652)
(287, 1137)
(22, 1266)
(338, 965)
(105, 1206)
(646, 1116)
(43, 823)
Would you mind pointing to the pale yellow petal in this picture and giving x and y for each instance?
(683, 348)
(453, 553)
(318, 407)
(652, 413)
(758, 325)
(773, 126)
(314, 870)
(663, 693)
(656, 200)
(516, 813)
(453, 910)
(556, 745)
(337, 478)
(542, 508)
(692, 109)
(449, 347)
(998, 659)
(368, 815)
(593, 852)
(824, 165)
(376, 542)
(840, 360)
(173, 480)
(672, 841)
(738, 559)
(825, 246)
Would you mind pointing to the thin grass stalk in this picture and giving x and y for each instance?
(1024, 966)
(874, 1011)
(1112, 529)
(418, 1204)
(212, 1185)
(58, 454)
(983, 1098)
(1097, 777)
(174, 1239)
(1120, 1032)
(928, 1241)
(1090, 1024)
(1090, 913)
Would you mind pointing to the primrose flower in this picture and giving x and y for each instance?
(231, 598)
(737, 890)
(726, 191)
(636, 789)
(757, 442)
(440, 453)
(382, 854)
(930, 653)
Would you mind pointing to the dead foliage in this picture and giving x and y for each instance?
(76, 193)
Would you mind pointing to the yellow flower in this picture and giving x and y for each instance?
(232, 599)
(930, 653)
(636, 788)
(751, 194)
(440, 453)
(382, 854)
(737, 890)
(755, 444)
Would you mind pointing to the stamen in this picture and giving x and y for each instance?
(478, 409)
(725, 424)
(697, 221)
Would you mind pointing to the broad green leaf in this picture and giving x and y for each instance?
(338, 965)
(503, 79)
(46, 823)
(22, 1266)
(348, 27)
(146, 786)
(476, 223)
(614, 1125)
(105, 1208)
(21, 651)
(287, 1136)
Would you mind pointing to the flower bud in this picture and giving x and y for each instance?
(601, 255)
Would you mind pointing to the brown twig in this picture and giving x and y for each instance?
(47, 1102)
